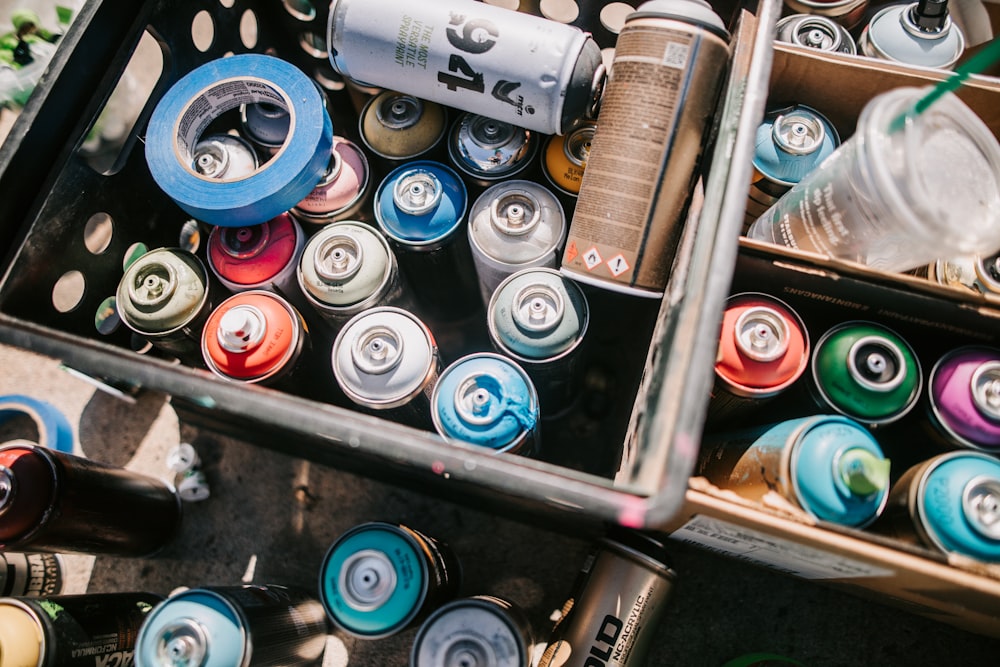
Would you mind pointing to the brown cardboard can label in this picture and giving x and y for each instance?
(610, 234)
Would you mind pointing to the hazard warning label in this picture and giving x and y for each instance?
(571, 252)
(591, 258)
(617, 265)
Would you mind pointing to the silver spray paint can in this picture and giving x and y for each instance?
(386, 361)
(224, 156)
(486, 150)
(518, 68)
(478, 631)
(921, 33)
(614, 610)
(816, 32)
(976, 273)
(514, 225)
(346, 268)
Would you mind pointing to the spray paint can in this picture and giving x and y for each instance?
(921, 33)
(514, 225)
(224, 156)
(790, 143)
(617, 603)
(565, 157)
(52, 501)
(949, 503)
(255, 337)
(379, 578)
(827, 465)
(165, 296)
(486, 150)
(33, 575)
(972, 272)
(72, 630)
(487, 400)
(865, 371)
(847, 13)
(266, 124)
(344, 191)
(665, 78)
(234, 626)
(482, 630)
(539, 318)
(346, 268)
(763, 350)
(963, 393)
(257, 257)
(386, 361)
(816, 32)
(511, 66)
(397, 127)
(420, 207)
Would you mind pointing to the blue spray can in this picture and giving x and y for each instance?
(380, 578)
(790, 142)
(950, 503)
(420, 207)
(538, 318)
(829, 466)
(487, 400)
(233, 626)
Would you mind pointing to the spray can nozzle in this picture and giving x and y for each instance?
(863, 472)
(930, 15)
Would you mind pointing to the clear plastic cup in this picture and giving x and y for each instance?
(897, 199)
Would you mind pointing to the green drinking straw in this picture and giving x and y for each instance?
(977, 63)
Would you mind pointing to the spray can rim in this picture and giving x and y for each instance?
(698, 12)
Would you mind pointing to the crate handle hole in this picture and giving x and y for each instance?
(97, 233)
(248, 29)
(68, 291)
(203, 31)
(514, 5)
(613, 16)
(329, 79)
(561, 11)
(228, 4)
(313, 44)
(112, 134)
(303, 10)
(106, 319)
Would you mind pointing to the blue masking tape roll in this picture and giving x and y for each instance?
(54, 430)
(204, 94)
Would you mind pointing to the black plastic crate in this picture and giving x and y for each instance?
(625, 457)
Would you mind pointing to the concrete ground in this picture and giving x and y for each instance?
(270, 519)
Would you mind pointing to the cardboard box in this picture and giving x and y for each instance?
(895, 570)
